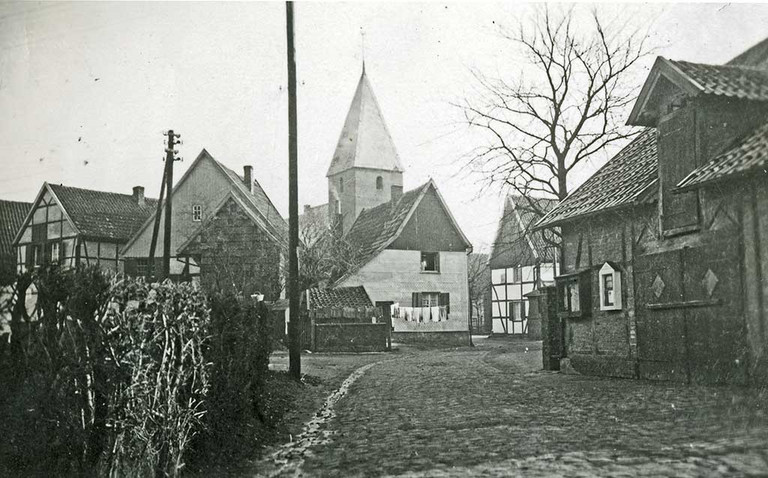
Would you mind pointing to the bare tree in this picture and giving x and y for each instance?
(479, 277)
(566, 106)
(325, 254)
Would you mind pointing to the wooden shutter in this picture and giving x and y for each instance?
(445, 299)
(677, 158)
(415, 300)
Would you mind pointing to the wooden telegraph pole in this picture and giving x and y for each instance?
(294, 346)
(165, 187)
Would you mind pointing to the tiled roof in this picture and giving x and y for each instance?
(339, 297)
(313, 223)
(103, 215)
(365, 141)
(750, 155)
(515, 240)
(12, 215)
(756, 55)
(620, 182)
(375, 228)
(733, 81)
(260, 201)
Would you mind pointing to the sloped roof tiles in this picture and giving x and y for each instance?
(258, 198)
(732, 81)
(750, 155)
(12, 215)
(338, 297)
(103, 215)
(620, 182)
(375, 228)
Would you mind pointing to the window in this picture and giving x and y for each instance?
(498, 276)
(571, 297)
(55, 252)
(197, 213)
(37, 255)
(610, 287)
(142, 267)
(430, 262)
(517, 274)
(430, 299)
(379, 182)
(341, 185)
(574, 295)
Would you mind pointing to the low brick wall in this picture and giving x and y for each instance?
(439, 339)
(351, 337)
(606, 366)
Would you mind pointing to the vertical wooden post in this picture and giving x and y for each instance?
(294, 347)
(169, 159)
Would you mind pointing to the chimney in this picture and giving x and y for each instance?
(397, 192)
(138, 195)
(248, 177)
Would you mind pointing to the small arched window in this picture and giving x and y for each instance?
(379, 182)
(341, 185)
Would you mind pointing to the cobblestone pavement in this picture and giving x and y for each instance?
(488, 411)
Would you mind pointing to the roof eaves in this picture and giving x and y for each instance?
(45, 187)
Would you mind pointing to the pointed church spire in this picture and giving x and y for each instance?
(365, 141)
(362, 47)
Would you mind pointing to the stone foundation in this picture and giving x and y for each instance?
(606, 366)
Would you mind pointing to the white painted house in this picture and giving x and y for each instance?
(411, 250)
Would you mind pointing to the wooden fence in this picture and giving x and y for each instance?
(347, 329)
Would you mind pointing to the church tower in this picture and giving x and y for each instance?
(365, 170)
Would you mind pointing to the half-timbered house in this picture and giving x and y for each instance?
(665, 250)
(70, 226)
(520, 262)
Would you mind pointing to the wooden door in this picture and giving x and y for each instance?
(690, 323)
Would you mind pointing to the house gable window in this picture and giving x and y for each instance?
(197, 213)
(430, 262)
(379, 182)
(610, 287)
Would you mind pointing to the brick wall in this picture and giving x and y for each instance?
(233, 250)
(605, 341)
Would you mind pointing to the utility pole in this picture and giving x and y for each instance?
(156, 229)
(169, 160)
(294, 346)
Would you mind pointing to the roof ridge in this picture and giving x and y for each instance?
(724, 66)
(54, 185)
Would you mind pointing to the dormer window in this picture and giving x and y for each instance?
(197, 213)
(610, 287)
(379, 183)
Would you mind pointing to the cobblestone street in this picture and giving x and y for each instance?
(489, 411)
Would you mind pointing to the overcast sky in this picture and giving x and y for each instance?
(86, 89)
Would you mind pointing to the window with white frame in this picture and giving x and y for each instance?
(197, 213)
(610, 287)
